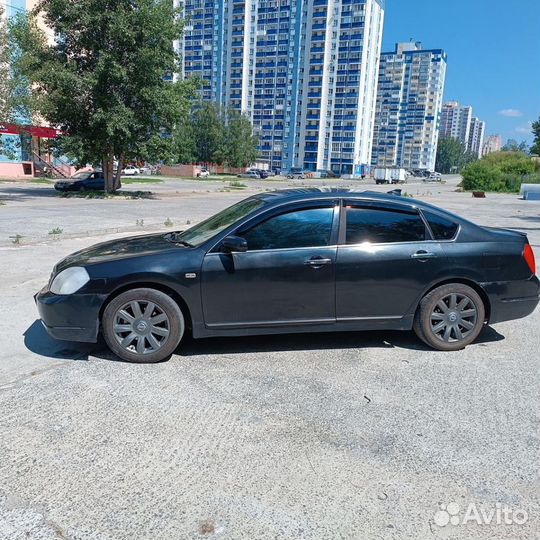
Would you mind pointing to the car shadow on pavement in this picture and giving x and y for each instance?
(39, 342)
(316, 341)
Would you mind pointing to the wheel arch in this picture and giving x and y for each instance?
(182, 304)
(464, 281)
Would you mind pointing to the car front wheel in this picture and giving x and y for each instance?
(143, 325)
(450, 317)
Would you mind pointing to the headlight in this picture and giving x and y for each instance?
(70, 280)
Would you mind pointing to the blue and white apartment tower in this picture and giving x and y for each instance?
(408, 111)
(304, 71)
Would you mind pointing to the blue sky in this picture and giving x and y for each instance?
(493, 49)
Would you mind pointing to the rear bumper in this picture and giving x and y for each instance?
(512, 299)
(73, 317)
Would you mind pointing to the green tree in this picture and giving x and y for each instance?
(513, 146)
(14, 88)
(500, 171)
(5, 112)
(535, 148)
(208, 132)
(103, 81)
(451, 155)
(239, 143)
(185, 150)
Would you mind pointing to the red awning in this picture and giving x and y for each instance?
(34, 131)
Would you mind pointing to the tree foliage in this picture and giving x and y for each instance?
(208, 132)
(500, 171)
(216, 135)
(102, 81)
(535, 148)
(4, 69)
(513, 146)
(451, 155)
(240, 144)
(15, 96)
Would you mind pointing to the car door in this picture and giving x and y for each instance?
(96, 181)
(385, 259)
(285, 277)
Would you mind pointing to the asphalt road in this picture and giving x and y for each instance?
(361, 435)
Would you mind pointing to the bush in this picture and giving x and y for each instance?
(500, 171)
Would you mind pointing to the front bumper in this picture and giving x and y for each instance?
(512, 299)
(73, 317)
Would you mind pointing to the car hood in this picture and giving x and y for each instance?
(118, 249)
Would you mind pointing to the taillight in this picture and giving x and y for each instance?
(528, 255)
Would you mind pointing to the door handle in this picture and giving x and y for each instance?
(422, 255)
(318, 261)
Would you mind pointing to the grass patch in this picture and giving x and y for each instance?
(16, 239)
(236, 184)
(103, 195)
(41, 181)
(142, 180)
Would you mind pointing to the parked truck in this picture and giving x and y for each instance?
(389, 175)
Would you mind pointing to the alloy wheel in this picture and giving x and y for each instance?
(453, 318)
(141, 327)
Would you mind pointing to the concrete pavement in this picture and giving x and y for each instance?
(361, 435)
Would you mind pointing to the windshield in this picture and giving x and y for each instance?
(203, 231)
(83, 175)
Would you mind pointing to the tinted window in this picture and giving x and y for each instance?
(383, 226)
(302, 228)
(441, 227)
(210, 227)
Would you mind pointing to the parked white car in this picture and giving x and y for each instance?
(435, 177)
(203, 173)
(130, 170)
(250, 174)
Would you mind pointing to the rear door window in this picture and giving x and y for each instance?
(377, 225)
(441, 227)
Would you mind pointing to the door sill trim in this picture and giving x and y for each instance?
(383, 318)
(295, 322)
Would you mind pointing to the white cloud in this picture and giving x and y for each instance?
(512, 113)
(524, 130)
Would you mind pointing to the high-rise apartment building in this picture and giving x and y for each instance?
(476, 136)
(304, 71)
(409, 101)
(492, 144)
(456, 121)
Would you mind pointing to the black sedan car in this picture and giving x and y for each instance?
(82, 181)
(305, 260)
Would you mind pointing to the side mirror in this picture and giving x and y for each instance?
(233, 243)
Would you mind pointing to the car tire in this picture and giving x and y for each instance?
(81, 188)
(450, 317)
(148, 333)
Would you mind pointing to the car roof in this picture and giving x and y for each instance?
(301, 194)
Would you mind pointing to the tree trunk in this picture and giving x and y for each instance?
(117, 183)
(108, 166)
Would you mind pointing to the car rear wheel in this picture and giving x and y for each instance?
(143, 325)
(450, 317)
